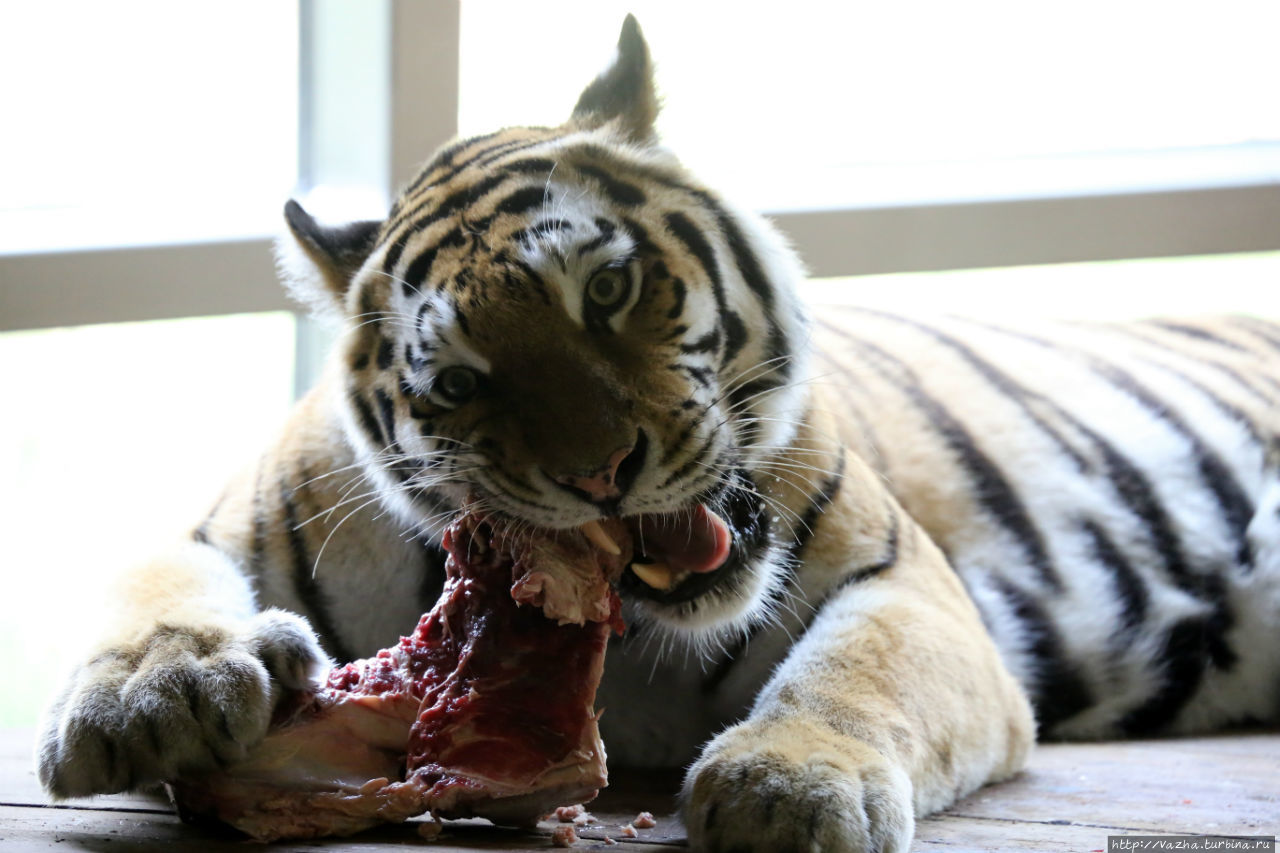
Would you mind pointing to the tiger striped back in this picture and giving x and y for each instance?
(1106, 491)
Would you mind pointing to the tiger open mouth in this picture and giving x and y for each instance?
(668, 558)
(683, 555)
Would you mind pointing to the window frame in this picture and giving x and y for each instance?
(415, 110)
(415, 50)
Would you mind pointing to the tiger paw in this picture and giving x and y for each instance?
(792, 787)
(181, 698)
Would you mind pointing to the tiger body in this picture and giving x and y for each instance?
(940, 524)
(1107, 491)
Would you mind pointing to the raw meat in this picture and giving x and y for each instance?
(567, 814)
(485, 710)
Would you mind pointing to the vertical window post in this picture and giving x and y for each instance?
(379, 85)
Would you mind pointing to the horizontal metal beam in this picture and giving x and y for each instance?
(102, 286)
(116, 285)
(1014, 232)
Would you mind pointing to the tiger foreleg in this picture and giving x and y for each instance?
(186, 679)
(893, 704)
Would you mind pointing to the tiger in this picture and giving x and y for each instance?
(950, 537)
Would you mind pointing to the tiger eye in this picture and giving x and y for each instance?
(607, 288)
(457, 384)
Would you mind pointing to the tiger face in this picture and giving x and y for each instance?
(562, 326)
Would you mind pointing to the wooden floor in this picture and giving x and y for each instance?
(1070, 798)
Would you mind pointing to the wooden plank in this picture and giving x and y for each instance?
(28, 821)
(19, 786)
(29, 828)
(1071, 798)
(974, 835)
(1228, 784)
(631, 792)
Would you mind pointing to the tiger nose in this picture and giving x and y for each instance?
(611, 480)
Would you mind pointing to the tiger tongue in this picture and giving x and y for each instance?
(690, 541)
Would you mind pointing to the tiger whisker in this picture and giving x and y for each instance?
(348, 499)
(795, 466)
(343, 468)
(739, 405)
(315, 565)
(742, 378)
(732, 483)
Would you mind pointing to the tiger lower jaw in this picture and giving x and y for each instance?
(654, 573)
(736, 591)
(679, 555)
(697, 606)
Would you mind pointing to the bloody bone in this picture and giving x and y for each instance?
(485, 710)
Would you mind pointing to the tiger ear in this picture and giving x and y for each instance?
(623, 93)
(322, 260)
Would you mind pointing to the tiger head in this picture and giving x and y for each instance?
(565, 325)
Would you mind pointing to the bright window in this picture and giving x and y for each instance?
(813, 103)
(116, 439)
(144, 121)
(1110, 290)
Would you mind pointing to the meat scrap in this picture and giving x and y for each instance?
(567, 814)
(644, 820)
(564, 836)
(486, 710)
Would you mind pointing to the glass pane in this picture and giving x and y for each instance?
(788, 89)
(116, 439)
(1105, 290)
(145, 120)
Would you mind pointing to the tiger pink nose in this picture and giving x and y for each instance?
(602, 485)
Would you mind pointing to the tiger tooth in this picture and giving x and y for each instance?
(593, 531)
(657, 575)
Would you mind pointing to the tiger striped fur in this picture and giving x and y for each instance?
(939, 524)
